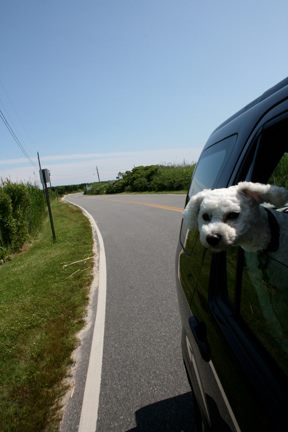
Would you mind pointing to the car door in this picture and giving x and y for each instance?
(257, 282)
(240, 359)
(198, 269)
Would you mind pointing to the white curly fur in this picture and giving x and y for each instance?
(233, 216)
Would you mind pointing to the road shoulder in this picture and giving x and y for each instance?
(81, 401)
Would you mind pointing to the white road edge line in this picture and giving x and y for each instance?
(90, 404)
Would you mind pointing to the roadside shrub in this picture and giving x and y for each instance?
(116, 187)
(36, 210)
(98, 188)
(172, 178)
(22, 208)
(7, 222)
(20, 201)
(140, 184)
(66, 189)
(147, 178)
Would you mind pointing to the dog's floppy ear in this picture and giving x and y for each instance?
(191, 210)
(276, 195)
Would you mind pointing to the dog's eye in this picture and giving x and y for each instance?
(206, 217)
(232, 216)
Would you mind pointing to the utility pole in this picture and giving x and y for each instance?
(45, 177)
(98, 174)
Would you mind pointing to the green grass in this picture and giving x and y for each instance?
(42, 306)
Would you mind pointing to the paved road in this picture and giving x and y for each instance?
(143, 386)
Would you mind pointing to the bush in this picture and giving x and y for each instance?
(148, 178)
(66, 189)
(36, 210)
(116, 187)
(22, 208)
(140, 184)
(96, 188)
(154, 178)
(20, 201)
(172, 178)
(7, 222)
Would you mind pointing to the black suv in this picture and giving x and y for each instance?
(234, 325)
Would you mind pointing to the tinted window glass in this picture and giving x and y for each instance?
(264, 304)
(211, 165)
(280, 174)
(258, 281)
(208, 170)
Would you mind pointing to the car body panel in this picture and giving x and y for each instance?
(236, 384)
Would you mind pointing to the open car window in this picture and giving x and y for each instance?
(257, 282)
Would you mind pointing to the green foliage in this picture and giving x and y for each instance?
(66, 189)
(21, 212)
(36, 210)
(280, 174)
(139, 179)
(150, 178)
(140, 184)
(97, 188)
(42, 304)
(116, 187)
(20, 200)
(172, 178)
(7, 222)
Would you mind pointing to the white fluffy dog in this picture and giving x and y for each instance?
(233, 216)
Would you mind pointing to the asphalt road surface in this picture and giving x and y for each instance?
(143, 383)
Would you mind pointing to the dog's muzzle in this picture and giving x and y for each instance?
(213, 239)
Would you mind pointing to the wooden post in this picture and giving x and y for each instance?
(46, 193)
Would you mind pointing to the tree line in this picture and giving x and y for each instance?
(150, 178)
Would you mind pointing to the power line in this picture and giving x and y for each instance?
(14, 136)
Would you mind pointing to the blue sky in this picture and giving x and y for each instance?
(119, 83)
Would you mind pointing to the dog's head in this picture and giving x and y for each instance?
(225, 217)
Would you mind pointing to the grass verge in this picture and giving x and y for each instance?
(42, 304)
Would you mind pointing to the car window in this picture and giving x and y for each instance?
(258, 281)
(211, 165)
(280, 174)
(264, 305)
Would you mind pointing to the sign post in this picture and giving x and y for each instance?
(45, 178)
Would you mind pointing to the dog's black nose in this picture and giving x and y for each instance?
(213, 239)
